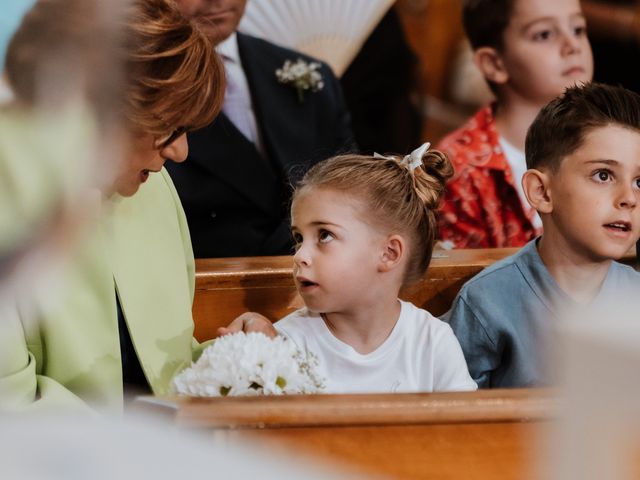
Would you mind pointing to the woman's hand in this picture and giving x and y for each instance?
(249, 322)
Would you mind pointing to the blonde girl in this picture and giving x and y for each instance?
(364, 228)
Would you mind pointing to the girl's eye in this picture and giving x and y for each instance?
(580, 31)
(297, 240)
(602, 176)
(542, 35)
(638, 183)
(325, 236)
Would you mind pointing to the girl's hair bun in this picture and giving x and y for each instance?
(431, 177)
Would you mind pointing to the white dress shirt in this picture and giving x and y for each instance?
(237, 105)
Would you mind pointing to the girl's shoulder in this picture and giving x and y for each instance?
(419, 321)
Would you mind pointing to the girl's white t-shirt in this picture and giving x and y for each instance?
(420, 355)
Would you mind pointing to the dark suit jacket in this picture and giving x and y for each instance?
(236, 200)
(378, 88)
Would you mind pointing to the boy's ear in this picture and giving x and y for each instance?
(535, 184)
(490, 63)
(392, 253)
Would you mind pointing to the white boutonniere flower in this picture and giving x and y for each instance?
(301, 75)
(250, 364)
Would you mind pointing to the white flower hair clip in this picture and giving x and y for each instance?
(301, 75)
(411, 161)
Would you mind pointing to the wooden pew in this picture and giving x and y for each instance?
(490, 434)
(477, 435)
(227, 287)
(607, 20)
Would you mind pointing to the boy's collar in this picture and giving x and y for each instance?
(539, 277)
(565, 295)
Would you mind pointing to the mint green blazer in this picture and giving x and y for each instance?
(67, 353)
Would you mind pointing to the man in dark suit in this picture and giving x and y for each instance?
(236, 183)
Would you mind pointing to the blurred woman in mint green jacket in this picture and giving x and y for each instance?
(120, 319)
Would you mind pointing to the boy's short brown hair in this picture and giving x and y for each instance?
(561, 126)
(485, 21)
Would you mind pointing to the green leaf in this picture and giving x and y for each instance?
(281, 382)
(224, 391)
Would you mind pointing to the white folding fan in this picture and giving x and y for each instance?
(331, 30)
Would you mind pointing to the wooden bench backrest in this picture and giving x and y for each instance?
(471, 435)
(227, 287)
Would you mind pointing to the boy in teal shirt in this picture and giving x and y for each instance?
(583, 178)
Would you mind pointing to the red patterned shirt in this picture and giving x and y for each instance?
(481, 207)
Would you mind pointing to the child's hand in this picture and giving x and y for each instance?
(249, 322)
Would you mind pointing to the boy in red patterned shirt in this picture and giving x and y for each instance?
(529, 51)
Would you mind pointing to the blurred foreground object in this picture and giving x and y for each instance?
(598, 359)
(12, 12)
(330, 30)
(62, 74)
(63, 448)
(44, 162)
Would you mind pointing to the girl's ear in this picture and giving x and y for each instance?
(536, 188)
(392, 253)
(490, 63)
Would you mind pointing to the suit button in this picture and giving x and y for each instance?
(213, 214)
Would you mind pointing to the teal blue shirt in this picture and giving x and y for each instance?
(504, 315)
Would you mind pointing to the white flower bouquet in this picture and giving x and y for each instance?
(250, 364)
(302, 75)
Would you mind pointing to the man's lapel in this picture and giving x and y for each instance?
(248, 173)
(287, 125)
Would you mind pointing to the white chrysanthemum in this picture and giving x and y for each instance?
(250, 364)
